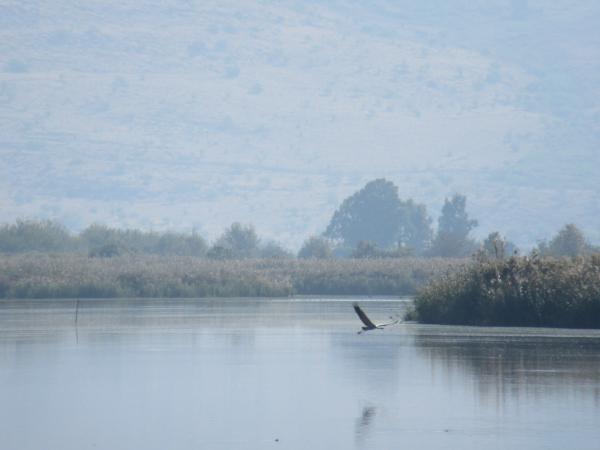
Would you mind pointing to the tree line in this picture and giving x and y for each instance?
(372, 223)
(375, 222)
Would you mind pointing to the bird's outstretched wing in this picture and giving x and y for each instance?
(381, 325)
(363, 317)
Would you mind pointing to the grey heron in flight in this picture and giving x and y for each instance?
(369, 325)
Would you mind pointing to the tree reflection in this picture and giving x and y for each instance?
(516, 366)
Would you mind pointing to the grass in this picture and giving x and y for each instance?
(73, 276)
(554, 292)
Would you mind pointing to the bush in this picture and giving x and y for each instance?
(35, 236)
(562, 292)
(101, 240)
(238, 241)
(569, 241)
(315, 247)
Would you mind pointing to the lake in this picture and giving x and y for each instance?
(286, 373)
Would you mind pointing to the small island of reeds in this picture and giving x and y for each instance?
(519, 291)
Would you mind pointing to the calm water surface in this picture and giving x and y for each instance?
(289, 374)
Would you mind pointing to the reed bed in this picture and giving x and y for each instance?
(73, 276)
(554, 292)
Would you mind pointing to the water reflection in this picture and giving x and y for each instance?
(184, 374)
(535, 364)
(363, 426)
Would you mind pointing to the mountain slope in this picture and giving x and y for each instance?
(195, 114)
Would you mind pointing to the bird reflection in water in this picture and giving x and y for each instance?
(363, 425)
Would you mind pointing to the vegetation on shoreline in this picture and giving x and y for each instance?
(555, 292)
(73, 276)
(375, 244)
(373, 223)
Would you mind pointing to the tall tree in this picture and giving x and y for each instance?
(570, 241)
(454, 219)
(454, 227)
(377, 215)
(415, 227)
(371, 214)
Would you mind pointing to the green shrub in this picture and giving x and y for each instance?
(557, 292)
(35, 236)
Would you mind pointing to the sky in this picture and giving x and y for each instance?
(186, 115)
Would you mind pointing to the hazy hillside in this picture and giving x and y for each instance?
(181, 114)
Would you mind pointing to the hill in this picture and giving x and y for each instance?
(184, 114)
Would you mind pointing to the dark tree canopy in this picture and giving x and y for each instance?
(415, 228)
(371, 214)
(454, 219)
(454, 226)
(377, 215)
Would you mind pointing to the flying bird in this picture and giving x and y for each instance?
(369, 325)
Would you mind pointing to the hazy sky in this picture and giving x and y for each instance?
(184, 114)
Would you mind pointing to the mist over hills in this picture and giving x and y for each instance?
(183, 114)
